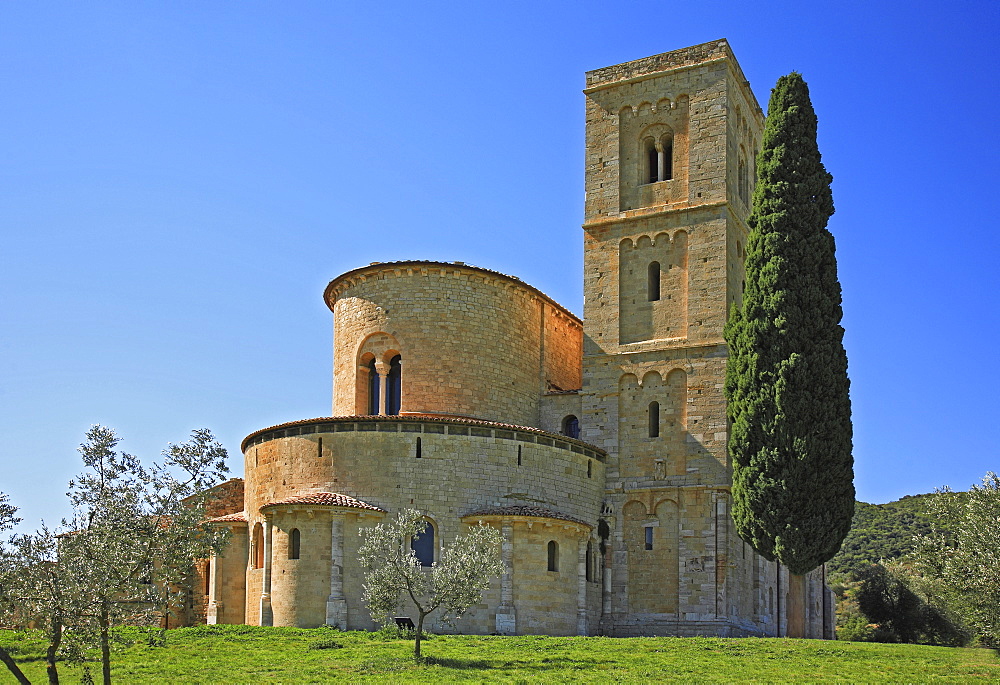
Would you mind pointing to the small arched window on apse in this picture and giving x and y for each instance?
(653, 282)
(208, 577)
(654, 419)
(571, 426)
(373, 388)
(257, 546)
(553, 554)
(423, 545)
(294, 543)
(393, 387)
(590, 562)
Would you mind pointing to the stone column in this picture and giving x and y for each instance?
(661, 162)
(336, 602)
(581, 585)
(214, 590)
(606, 571)
(266, 615)
(383, 376)
(506, 621)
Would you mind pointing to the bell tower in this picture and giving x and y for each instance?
(670, 142)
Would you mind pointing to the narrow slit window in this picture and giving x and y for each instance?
(553, 554)
(257, 546)
(590, 468)
(652, 162)
(590, 562)
(393, 387)
(294, 543)
(419, 451)
(373, 388)
(668, 160)
(654, 419)
(208, 577)
(319, 448)
(653, 282)
(649, 537)
(518, 455)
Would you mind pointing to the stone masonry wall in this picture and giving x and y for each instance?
(473, 342)
(694, 579)
(462, 467)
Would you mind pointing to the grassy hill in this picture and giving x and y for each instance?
(882, 531)
(243, 654)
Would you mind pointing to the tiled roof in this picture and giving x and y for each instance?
(537, 512)
(237, 517)
(328, 499)
(420, 416)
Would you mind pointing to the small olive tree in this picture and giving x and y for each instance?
(10, 570)
(960, 560)
(393, 573)
(125, 555)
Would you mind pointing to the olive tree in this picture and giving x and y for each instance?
(125, 555)
(10, 571)
(394, 574)
(960, 559)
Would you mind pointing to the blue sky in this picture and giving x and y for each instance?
(182, 179)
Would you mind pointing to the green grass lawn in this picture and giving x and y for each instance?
(243, 654)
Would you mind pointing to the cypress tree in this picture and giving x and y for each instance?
(786, 376)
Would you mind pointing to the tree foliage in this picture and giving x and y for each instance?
(882, 532)
(125, 555)
(394, 574)
(959, 561)
(786, 376)
(11, 569)
(900, 614)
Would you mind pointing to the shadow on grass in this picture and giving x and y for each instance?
(459, 664)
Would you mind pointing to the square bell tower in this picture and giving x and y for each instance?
(671, 141)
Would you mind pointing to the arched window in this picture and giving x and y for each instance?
(571, 426)
(590, 561)
(373, 388)
(741, 179)
(653, 282)
(423, 545)
(657, 158)
(257, 546)
(666, 158)
(553, 550)
(392, 387)
(654, 419)
(652, 161)
(294, 543)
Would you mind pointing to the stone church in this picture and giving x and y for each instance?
(597, 447)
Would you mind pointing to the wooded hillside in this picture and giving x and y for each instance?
(881, 531)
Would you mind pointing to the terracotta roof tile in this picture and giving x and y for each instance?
(419, 416)
(237, 517)
(328, 499)
(538, 512)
